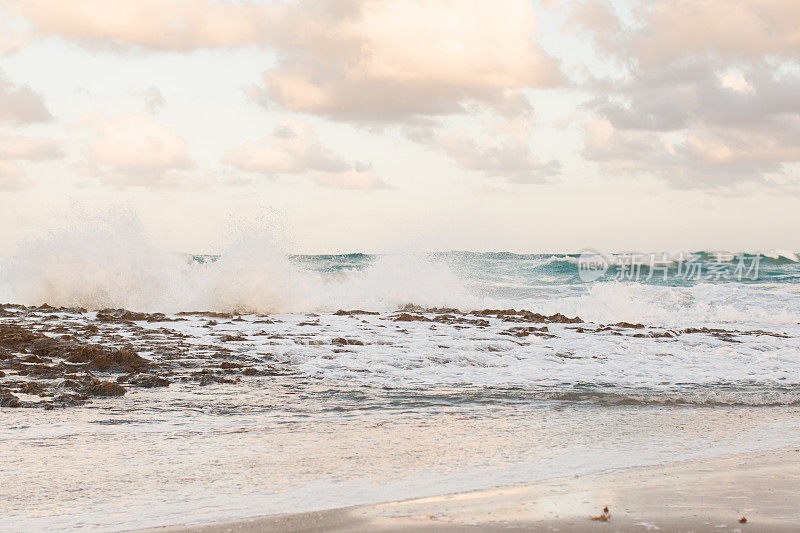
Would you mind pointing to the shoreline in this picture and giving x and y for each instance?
(697, 495)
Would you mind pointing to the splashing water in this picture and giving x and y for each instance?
(116, 265)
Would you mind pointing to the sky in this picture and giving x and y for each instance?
(372, 125)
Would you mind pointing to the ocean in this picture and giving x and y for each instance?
(302, 382)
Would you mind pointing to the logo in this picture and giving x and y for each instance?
(592, 265)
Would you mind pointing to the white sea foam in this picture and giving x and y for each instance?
(700, 304)
(117, 266)
(782, 254)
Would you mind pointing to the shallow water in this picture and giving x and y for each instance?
(184, 454)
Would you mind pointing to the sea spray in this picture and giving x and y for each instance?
(116, 265)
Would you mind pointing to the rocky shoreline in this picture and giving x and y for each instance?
(58, 357)
(61, 357)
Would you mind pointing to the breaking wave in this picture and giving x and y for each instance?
(115, 265)
(118, 267)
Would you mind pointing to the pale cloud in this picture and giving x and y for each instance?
(698, 94)
(704, 99)
(130, 149)
(28, 148)
(699, 130)
(501, 148)
(736, 82)
(507, 159)
(179, 25)
(10, 175)
(704, 157)
(729, 29)
(373, 62)
(293, 149)
(671, 30)
(596, 17)
(12, 41)
(392, 61)
(19, 104)
(16, 150)
(417, 63)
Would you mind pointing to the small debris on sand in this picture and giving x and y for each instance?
(605, 516)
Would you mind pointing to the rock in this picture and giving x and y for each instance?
(42, 371)
(524, 331)
(341, 341)
(119, 361)
(17, 338)
(123, 315)
(149, 381)
(629, 325)
(206, 376)
(208, 314)
(103, 388)
(449, 318)
(232, 338)
(8, 400)
(512, 315)
(407, 317)
(44, 308)
(30, 387)
(67, 400)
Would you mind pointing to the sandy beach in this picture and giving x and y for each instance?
(703, 495)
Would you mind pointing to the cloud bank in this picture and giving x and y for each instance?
(695, 94)
(292, 149)
(707, 94)
(131, 149)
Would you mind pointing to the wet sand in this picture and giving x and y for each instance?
(701, 495)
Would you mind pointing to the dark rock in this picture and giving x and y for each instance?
(123, 315)
(524, 331)
(30, 387)
(8, 400)
(67, 400)
(206, 376)
(208, 314)
(232, 338)
(119, 360)
(42, 371)
(656, 335)
(512, 315)
(407, 317)
(629, 325)
(341, 341)
(452, 319)
(103, 388)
